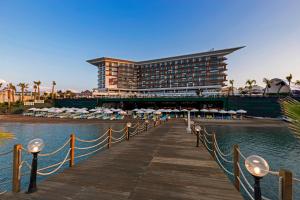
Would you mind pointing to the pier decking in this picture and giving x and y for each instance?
(162, 163)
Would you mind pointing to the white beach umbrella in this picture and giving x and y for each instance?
(108, 111)
(203, 110)
(44, 109)
(213, 111)
(194, 110)
(232, 112)
(32, 109)
(157, 112)
(70, 111)
(241, 111)
(93, 110)
(222, 112)
(184, 110)
(175, 110)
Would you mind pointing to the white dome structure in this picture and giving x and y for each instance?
(278, 86)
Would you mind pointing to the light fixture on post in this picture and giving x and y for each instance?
(147, 122)
(198, 129)
(258, 167)
(34, 147)
(128, 125)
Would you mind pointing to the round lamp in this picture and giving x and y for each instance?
(35, 146)
(257, 166)
(198, 128)
(128, 124)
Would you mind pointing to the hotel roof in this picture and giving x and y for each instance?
(187, 56)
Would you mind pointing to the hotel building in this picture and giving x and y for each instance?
(186, 75)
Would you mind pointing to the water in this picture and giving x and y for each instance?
(276, 144)
(54, 136)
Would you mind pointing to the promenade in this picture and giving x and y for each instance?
(162, 163)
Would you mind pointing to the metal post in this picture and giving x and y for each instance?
(16, 182)
(287, 184)
(236, 170)
(188, 129)
(257, 190)
(32, 184)
(72, 151)
(198, 138)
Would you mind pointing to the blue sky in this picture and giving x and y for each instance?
(51, 39)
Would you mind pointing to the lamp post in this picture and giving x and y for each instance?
(198, 129)
(258, 168)
(128, 127)
(34, 147)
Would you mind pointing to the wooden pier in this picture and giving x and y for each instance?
(163, 163)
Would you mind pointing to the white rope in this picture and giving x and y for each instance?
(245, 189)
(54, 165)
(90, 147)
(243, 175)
(56, 151)
(113, 138)
(89, 152)
(224, 159)
(207, 132)
(207, 140)
(218, 148)
(226, 170)
(55, 170)
(99, 138)
(296, 179)
(120, 140)
(207, 146)
(118, 131)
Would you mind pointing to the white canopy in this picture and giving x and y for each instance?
(213, 111)
(232, 112)
(184, 110)
(194, 110)
(203, 110)
(222, 111)
(241, 111)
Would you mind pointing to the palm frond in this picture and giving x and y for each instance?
(291, 109)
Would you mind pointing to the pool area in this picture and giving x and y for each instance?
(275, 144)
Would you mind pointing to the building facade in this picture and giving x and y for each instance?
(187, 75)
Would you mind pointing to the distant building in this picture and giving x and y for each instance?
(184, 75)
(278, 86)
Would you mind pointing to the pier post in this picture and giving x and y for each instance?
(138, 128)
(236, 170)
(16, 182)
(198, 138)
(72, 151)
(109, 137)
(287, 184)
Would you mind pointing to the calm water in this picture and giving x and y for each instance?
(54, 136)
(276, 144)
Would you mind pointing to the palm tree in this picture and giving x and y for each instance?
(289, 79)
(291, 109)
(297, 82)
(268, 85)
(35, 88)
(23, 86)
(38, 83)
(250, 84)
(1, 85)
(231, 87)
(53, 85)
(12, 90)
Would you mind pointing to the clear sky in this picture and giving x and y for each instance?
(51, 39)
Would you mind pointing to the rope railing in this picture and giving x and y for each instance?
(213, 147)
(101, 142)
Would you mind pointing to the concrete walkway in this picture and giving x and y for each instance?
(161, 164)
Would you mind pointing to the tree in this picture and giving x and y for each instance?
(291, 109)
(35, 88)
(289, 79)
(250, 84)
(268, 85)
(297, 82)
(52, 92)
(1, 85)
(38, 83)
(231, 87)
(23, 86)
(12, 90)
